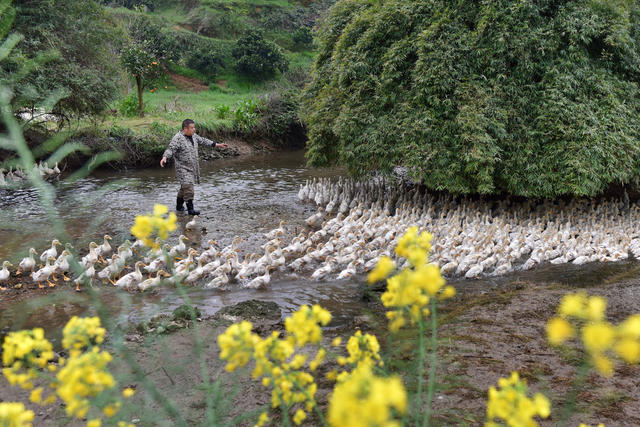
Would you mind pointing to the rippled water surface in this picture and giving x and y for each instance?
(243, 197)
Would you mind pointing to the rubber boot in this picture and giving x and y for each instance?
(179, 204)
(190, 209)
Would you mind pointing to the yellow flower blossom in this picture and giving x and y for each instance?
(128, 392)
(94, 423)
(363, 399)
(598, 337)
(83, 377)
(14, 414)
(382, 269)
(262, 420)
(299, 416)
(159, 223)
(363, 349)
(410, 291)
(81, 333)
(236, 344)
(22, 352)
(511, 404)
(304, 324)
(559, 330)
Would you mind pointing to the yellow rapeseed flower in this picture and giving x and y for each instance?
(14, 414)
(559, 330)
(598, 337)
(363, 349)
(304, 324)
(382, 269)
(80, 333)
(363, 399)
(159, 223)
(511, 404)
(128, 392)
(262, 420)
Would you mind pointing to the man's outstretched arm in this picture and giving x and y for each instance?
(210, 143)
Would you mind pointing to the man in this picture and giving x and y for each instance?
(184, 149)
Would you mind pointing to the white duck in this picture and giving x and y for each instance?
(104, 249)
(276, 231)
(260, 281)
(152, 282)
(180, 248)
(218, 281)
(44, 273)
(130, 280)
(91, 257)
(191, 225)
(5, 273)
(28, 263)
(51, 252)
(61, 266)
(88, 274)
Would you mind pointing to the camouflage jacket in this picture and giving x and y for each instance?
(185, 156)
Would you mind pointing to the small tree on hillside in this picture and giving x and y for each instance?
(143, 65)
(258, 57)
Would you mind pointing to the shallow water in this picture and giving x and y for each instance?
(244, 196)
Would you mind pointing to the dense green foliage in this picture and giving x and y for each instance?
(529, 97)
(77, 37)
(258, 57)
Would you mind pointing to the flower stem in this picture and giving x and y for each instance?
(570, 405)
(432, 365)
(421, 357)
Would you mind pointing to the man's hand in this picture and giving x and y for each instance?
(222, 145)
(163, 161)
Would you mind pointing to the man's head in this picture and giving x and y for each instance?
(188, 127)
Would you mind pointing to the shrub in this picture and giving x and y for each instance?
(222, 111)
(533, 98)
(303, 37)
(258, 57)
(206, 59)
(128, 107)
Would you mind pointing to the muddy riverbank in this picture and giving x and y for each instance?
(485, 332)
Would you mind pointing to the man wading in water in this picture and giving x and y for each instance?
(184, 149)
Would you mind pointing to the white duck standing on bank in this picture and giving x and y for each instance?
(132, 279)
(44, 273)
(28, 263)
(62, 266)
(5, 273)
(91, 257)
(114, 267)
(86, 276)
(104, 250)
(51, 252)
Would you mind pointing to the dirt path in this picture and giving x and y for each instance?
(188, 83)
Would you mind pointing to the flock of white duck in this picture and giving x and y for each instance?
(357, 222)
(18, 175)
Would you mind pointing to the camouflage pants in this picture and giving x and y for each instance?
(186, 191)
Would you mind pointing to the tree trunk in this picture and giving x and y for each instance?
(140, 105)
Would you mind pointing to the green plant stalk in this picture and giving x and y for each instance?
(432, 365)
(570, 405)
(421, 357)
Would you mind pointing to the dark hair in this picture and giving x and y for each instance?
(186, 123)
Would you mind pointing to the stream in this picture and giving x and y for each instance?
(244, 196)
